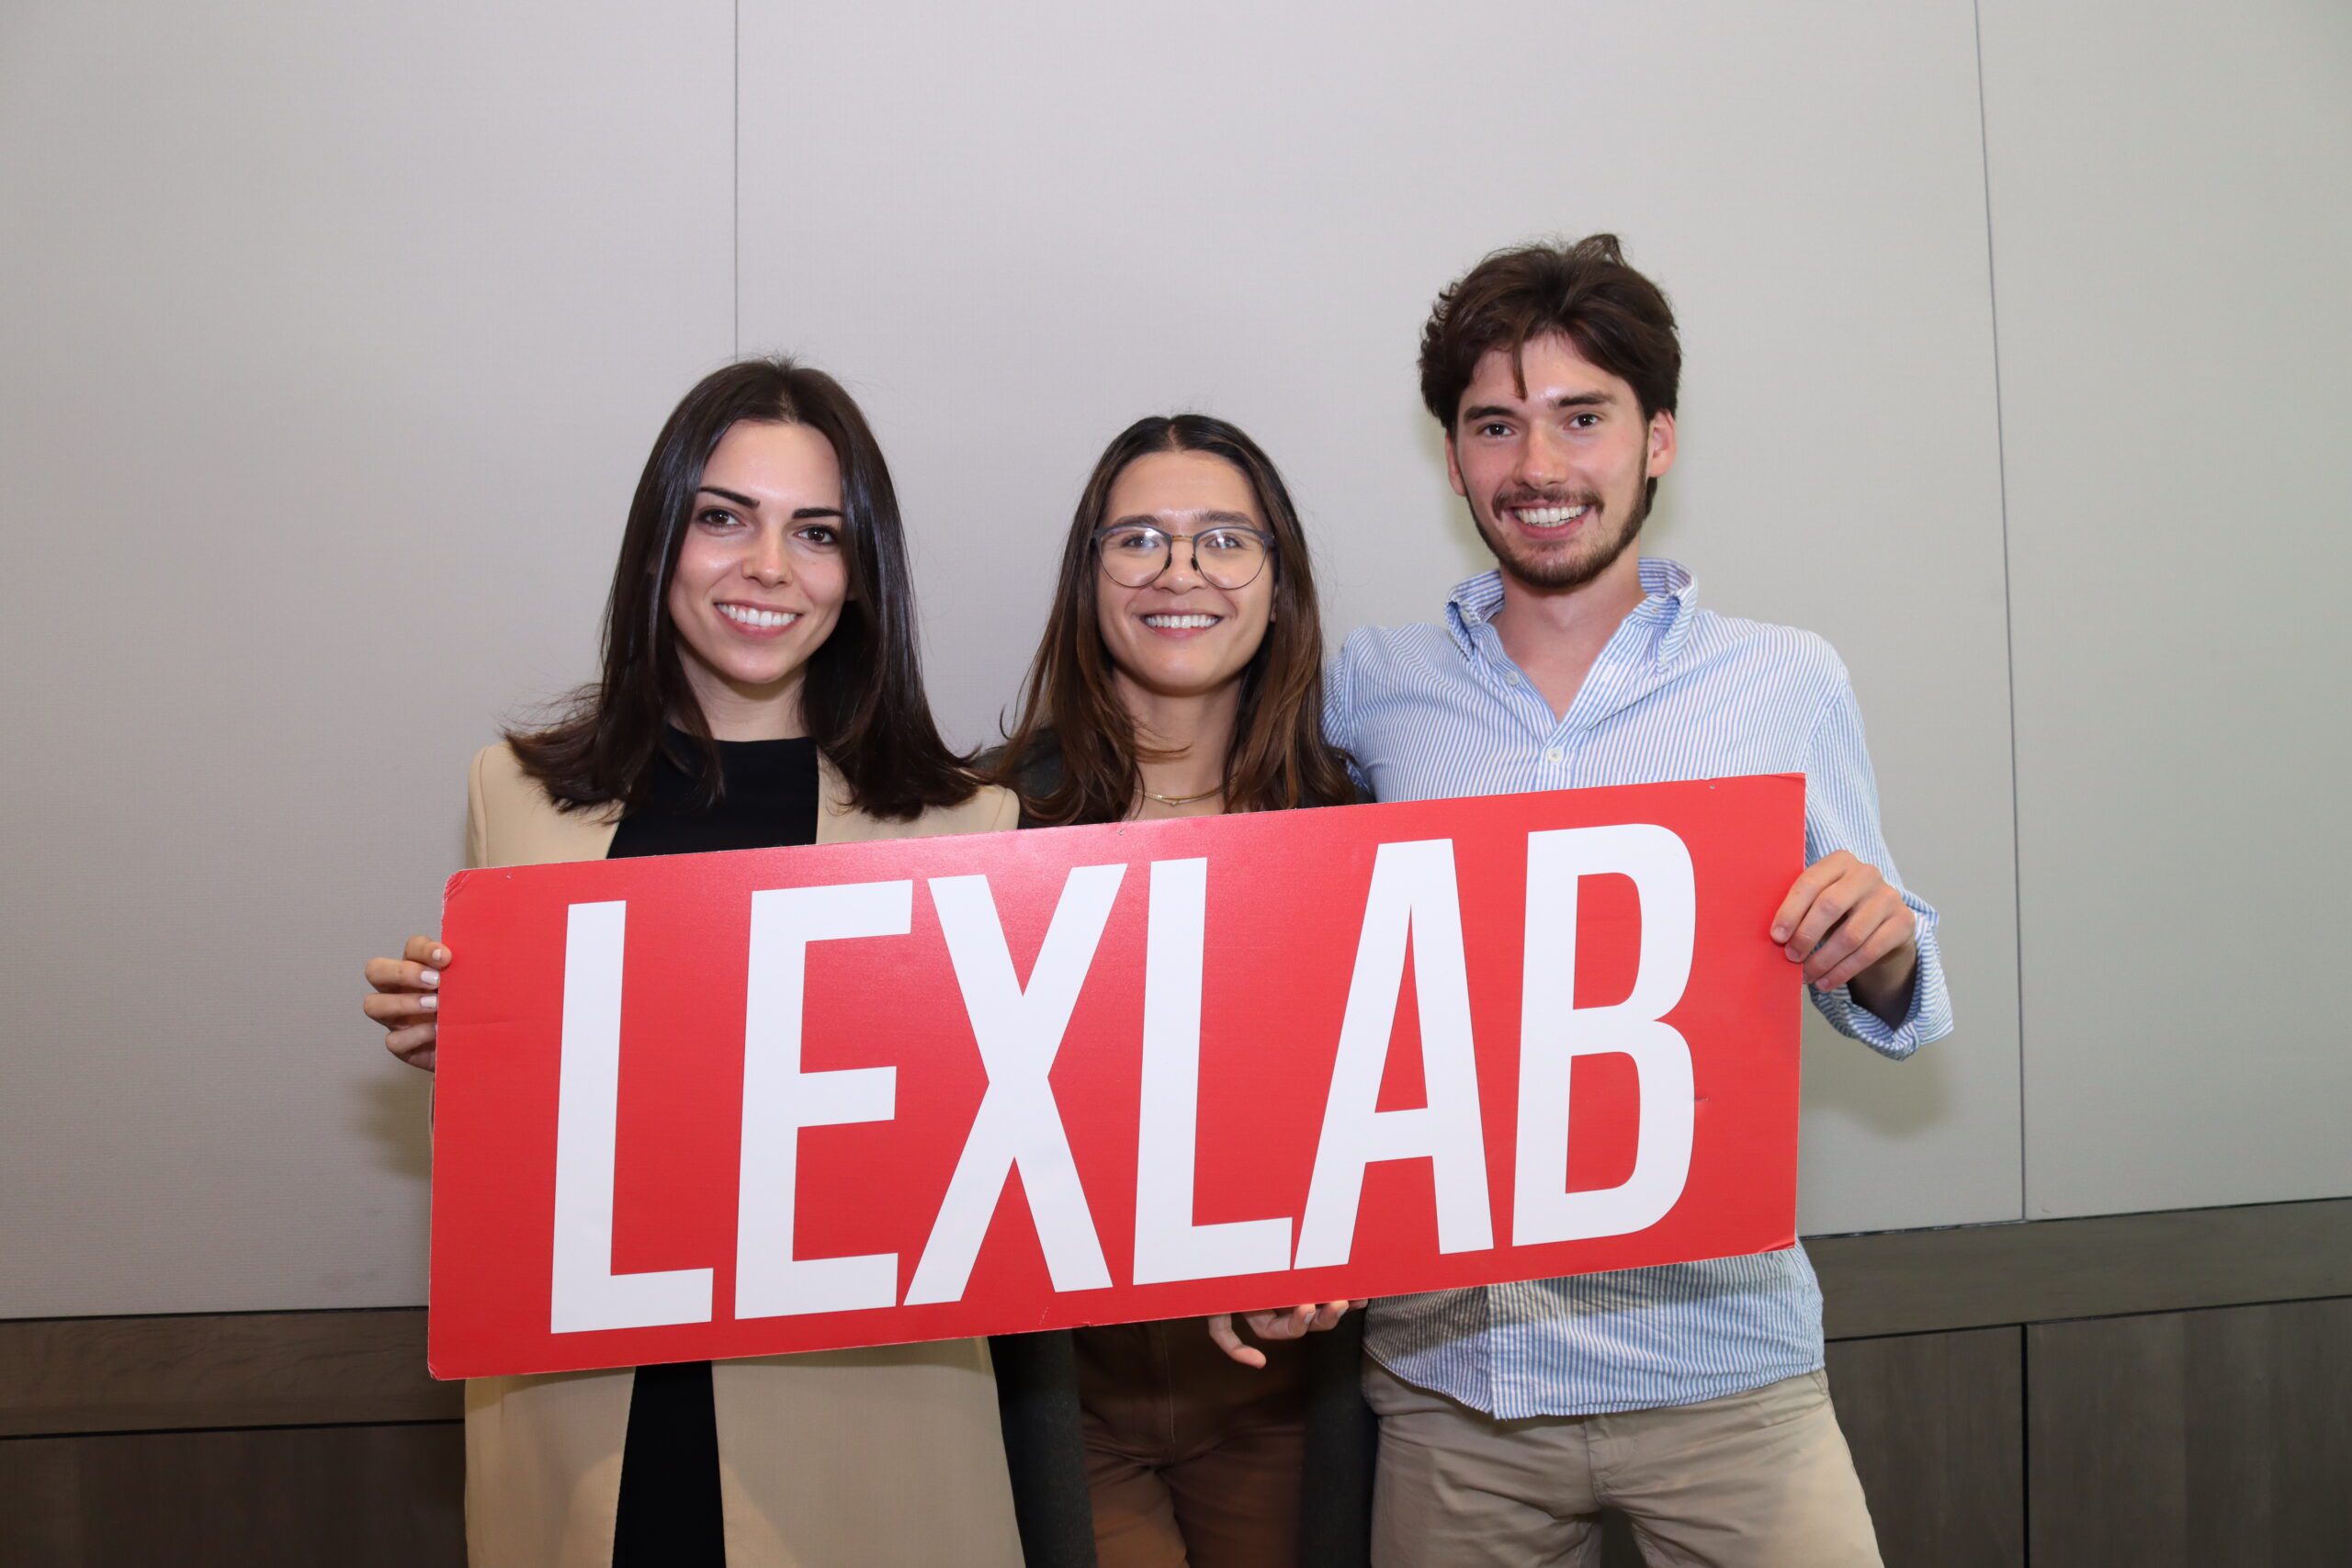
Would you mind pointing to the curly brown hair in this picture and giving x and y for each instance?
(1584, 291)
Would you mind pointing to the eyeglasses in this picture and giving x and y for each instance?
(1134, 555)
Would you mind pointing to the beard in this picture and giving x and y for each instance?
(1573, 562)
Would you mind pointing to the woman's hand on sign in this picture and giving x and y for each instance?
(407, 990)
(1296, 1323)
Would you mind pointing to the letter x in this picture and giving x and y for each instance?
(1019, 1032)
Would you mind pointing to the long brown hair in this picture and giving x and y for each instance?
(1279, 757)
(861, 696)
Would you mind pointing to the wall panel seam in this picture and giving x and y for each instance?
(2009, 613)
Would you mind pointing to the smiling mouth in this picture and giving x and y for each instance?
(1547, 517)
(759, 620)
(1183, 623)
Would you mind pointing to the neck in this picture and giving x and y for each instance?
(1551, 625)
(747, 712)
(1186, 739)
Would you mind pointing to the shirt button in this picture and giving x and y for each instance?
(1554, 754)
(1512, 677)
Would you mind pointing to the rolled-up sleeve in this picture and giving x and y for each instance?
(1841, 813)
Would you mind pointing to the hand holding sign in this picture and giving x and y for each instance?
(1296, 1323)
(1848, 925)
(404, 998)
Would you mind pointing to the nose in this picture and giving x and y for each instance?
(1541, 461)
(1184, 565)
(770, 561)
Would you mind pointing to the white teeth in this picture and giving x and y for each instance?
(1179, 622)
(1548, 516)
(743, 615)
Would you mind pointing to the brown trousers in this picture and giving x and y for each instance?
(1760, 1479)
(1193, 1460)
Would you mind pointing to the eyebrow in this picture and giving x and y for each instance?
(748, 505)
(1565, 401)
(1211, 519)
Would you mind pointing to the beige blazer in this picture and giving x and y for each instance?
(888, 1457)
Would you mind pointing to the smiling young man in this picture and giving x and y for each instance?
(1689, 1397)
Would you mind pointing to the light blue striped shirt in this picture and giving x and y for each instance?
(1679, 693)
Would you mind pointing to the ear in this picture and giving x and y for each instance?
(1661, 454)
(1454, 469)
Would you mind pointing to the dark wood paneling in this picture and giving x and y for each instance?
(308, 1368)
(289, 1497)
(1936, 1424)
(2211, 1435)
(2207, 1438)
(118, 1374)
(1915, 1282)
(40, 1519)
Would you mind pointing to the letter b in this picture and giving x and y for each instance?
(1553, 1032)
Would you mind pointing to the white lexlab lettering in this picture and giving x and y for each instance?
(1553, 1032)
(1412, 891)
(587, 1294)
(1019, 1031)
(779, 1099)
(1169, 1245)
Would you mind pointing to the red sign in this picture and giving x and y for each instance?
(858, 1094)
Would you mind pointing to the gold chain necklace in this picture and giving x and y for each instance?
(1182, 799)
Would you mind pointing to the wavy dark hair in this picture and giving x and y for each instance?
(1586, 291)
(1279, 757)
(861, 696)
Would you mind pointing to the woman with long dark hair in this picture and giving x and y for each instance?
(760, 687)
(1180, 675)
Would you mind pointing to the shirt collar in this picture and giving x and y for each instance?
(1670, 597)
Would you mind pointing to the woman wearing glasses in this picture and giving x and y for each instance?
(1179, 676)
(760, 688)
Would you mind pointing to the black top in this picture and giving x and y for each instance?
(670, 1512)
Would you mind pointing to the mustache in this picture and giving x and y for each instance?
(1546, 498)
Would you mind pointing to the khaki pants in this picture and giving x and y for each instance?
(1192, 1460)
(1760, 1479)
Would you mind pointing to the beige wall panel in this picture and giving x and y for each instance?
(1014, 230)
(2172, 208)
(334, 338)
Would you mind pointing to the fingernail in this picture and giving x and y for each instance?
(440, 956)
(1780, 934)
(429, 1003)
(430, 977)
